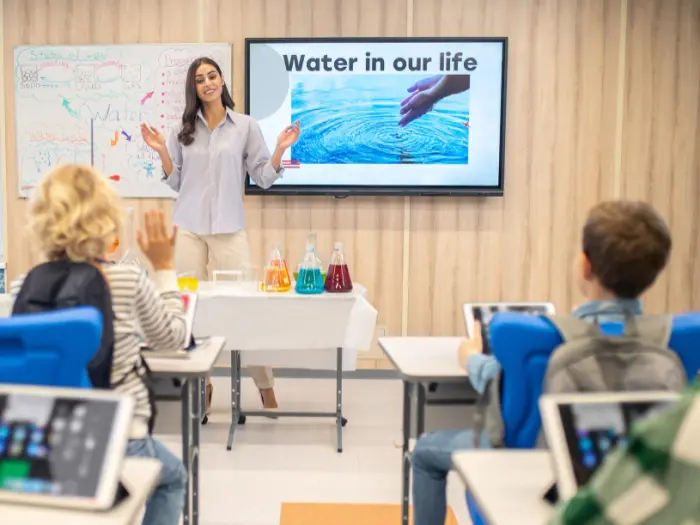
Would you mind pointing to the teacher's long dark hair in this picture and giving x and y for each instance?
(192, 102)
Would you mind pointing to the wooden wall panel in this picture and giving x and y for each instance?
(561, 111)
(73, 22)
(661, 135)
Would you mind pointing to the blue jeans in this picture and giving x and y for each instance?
(165, 505)
(432, 461)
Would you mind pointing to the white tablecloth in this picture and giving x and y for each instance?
(283, 330)
(287, 330)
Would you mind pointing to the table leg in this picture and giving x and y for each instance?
(406, 461)
(339, 397)
(235, 395)
(202, 382)
(195, 419)
(186, 436)
(420, 410)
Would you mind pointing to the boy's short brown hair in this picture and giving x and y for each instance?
(627, 244)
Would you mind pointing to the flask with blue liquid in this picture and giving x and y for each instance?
(310, 280)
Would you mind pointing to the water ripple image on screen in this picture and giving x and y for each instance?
(354, 119)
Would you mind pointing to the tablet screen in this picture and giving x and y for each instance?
(484, 314)
(55, 446)
(593, 429)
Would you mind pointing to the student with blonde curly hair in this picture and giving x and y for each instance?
(75, 215)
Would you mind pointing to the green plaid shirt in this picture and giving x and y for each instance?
(653, 480)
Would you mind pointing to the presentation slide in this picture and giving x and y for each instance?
(382, 114)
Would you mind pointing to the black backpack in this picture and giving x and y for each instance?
(65, 284)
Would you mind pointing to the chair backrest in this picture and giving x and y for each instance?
(49, 348)
(523, 344)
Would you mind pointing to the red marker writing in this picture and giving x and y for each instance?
(145, 98)
(116, 178)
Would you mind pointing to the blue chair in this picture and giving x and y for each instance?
(523, 344)
(50, 348)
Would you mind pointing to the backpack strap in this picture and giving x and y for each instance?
(655, 328)
(572, 328)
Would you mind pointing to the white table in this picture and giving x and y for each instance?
(420, 360)
(139, 477)
(508, 485)
(193, 370)
(275, 329)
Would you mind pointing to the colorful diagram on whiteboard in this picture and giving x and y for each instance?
(86, 103)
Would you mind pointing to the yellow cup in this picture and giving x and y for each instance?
(187, 282)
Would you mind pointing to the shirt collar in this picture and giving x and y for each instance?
(610, 307)
(230, 115)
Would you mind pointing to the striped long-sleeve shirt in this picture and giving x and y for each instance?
(141, 306)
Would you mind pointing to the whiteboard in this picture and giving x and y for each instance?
(85, 104)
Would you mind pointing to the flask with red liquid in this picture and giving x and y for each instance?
(338, 278)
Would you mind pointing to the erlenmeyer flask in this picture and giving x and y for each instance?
(309, 280)
(338, 278)
(276, 273)
(131, 254)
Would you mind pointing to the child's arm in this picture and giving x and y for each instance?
(160, 311)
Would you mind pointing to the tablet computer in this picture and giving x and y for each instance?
(582, 428)
(62, 447)
(484, 312)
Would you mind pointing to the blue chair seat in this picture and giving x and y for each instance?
(50, 348)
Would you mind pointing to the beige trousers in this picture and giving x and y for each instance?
(202, 254)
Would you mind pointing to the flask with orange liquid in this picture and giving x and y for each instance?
(276, 273)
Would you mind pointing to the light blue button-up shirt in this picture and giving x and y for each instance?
(209, 174)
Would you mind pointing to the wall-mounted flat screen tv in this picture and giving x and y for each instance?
(388, 116)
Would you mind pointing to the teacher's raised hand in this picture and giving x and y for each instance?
(289, 136)
(153, 138)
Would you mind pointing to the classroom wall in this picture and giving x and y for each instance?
(603, 102)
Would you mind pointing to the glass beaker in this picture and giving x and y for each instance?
(188, 282)
(338, 277)
(276, 273)
(310, 280)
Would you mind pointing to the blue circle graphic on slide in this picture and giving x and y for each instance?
(269, 78)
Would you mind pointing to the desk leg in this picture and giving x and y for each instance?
(235, 395)
(420, 410)
(186, 446)
(339, 423)
(195, 420)
(406, 461)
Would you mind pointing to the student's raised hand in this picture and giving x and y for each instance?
(472, 346)
(157, 243)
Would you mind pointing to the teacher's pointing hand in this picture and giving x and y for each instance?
(289, 136)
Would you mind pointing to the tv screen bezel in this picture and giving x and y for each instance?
(393, 191)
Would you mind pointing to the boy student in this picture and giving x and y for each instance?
(625, 245)
(75, 217)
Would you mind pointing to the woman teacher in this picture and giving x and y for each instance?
(206, 162)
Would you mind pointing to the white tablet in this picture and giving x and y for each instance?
(582, 428)
(484, 312)
(62, 447)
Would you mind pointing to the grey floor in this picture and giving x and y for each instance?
(295, 460)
